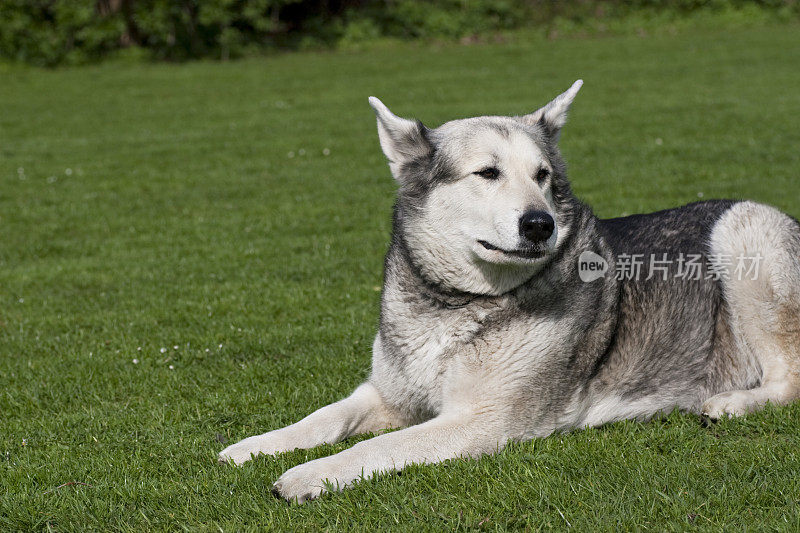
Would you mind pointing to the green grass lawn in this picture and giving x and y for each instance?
(191, 254)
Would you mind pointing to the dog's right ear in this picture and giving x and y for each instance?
(402, 140)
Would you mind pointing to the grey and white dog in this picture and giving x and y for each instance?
(489, 334)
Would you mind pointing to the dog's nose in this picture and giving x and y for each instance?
(536, 226)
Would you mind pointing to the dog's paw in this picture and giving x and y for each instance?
(268, 444)
(308, 481)
(729, 404)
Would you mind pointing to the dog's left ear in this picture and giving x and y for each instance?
(402, 140)
(553, 116)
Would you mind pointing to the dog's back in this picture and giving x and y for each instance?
(672, 321)
(689, 276)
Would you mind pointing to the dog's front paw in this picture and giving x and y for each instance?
(267, 444)
(308, 481)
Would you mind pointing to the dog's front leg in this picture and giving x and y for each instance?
(362, 412)
(444, 437)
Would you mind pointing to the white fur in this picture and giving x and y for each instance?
(458, 401)
(473, 416)
(464, 396)
(610, 409)
(765, 311)
(459, 214)
(554, 114)
(396, 135)
(361, 412)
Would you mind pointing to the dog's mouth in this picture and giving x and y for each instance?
(525, 253)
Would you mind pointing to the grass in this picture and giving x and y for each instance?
(187, 217)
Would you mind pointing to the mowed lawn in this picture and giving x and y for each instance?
(191, 254)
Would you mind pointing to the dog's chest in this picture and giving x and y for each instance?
(414, 350)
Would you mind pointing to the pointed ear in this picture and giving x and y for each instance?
(402, 140)
(553, 116)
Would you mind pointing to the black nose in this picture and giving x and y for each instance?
(536, 226)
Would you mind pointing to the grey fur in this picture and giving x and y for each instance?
(477, 346)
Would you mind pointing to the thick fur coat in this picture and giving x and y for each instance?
(488, 334)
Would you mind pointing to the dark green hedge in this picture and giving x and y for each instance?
(53, 32)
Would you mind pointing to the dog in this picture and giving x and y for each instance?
(510, 312)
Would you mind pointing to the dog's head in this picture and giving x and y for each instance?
(483, 202)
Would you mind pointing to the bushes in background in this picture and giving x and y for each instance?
(53, 32)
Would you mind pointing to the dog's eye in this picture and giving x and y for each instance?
(542, 174)
(490, 173)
